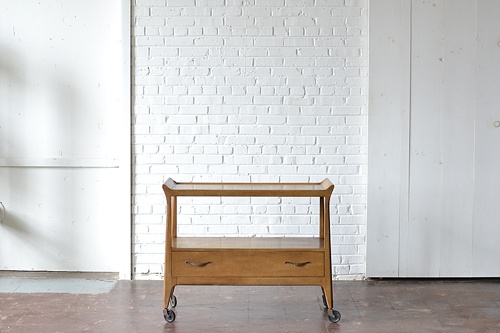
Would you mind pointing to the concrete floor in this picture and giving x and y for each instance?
(366, 306)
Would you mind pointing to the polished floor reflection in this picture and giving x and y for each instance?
(366, 306)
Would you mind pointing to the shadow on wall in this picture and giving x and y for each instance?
(18, 230)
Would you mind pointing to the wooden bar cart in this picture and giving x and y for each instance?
(255, 261)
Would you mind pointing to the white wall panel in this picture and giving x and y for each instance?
(453, 191)
(442, 142)
(425, 191)
(487, 140)
(389, 128)
(64, 135)
(457, 123)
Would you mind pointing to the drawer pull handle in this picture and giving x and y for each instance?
(198, 264)
(298, 264)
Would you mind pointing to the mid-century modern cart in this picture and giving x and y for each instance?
(255, 261)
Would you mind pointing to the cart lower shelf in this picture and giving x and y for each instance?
(228, 261)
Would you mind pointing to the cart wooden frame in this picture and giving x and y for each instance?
(255, 261)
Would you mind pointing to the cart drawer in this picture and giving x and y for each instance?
(248, 263)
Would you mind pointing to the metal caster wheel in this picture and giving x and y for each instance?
(173, 301)
(169, 315)
(334, 316)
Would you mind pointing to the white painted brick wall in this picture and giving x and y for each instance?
(250, 90)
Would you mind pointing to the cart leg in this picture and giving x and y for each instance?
(333, 315)
(168, 296)
(324, 301)
(327, 296)
(169, 302)
(169, 282)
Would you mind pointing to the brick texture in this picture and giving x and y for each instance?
(251, 91)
